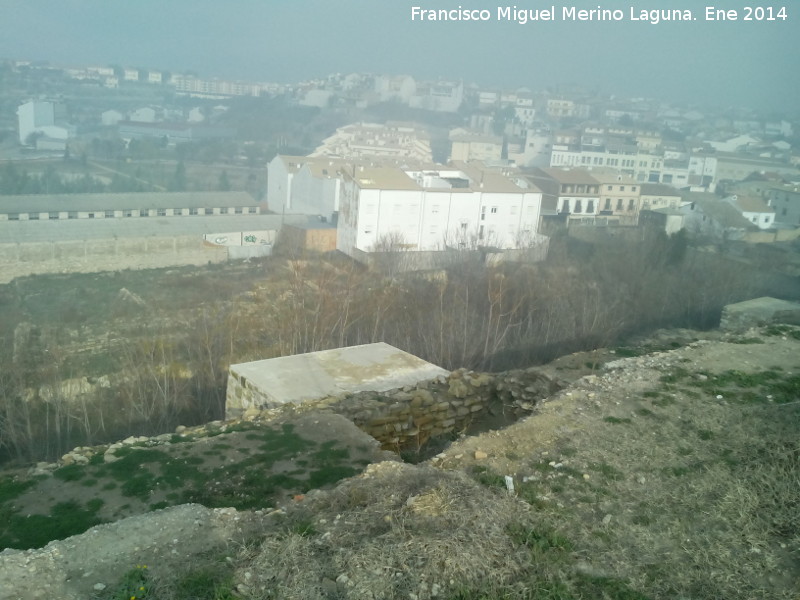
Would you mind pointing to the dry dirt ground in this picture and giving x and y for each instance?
(668, 475)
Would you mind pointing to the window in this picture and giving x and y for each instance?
(13, 216)
(35, 216)
(252, 210)
(578, 206)
(494, 210)
(237, 210)
(161, 212)
(483, 213)
(622, 188)
(52, 215)
(109, 214)
(608, 204)
(72, 215)
(633, 189)
(619, 203)
(590, 206)
(208, 211)
(127, 212)
(91, 215)
(480, 232)
(631, 205)
(754, 219)
(143, 212)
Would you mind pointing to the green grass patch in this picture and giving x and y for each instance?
(133, 584)
(617, 420)
(34, 531)
(11, 488)
(783, 330)
(607, 471)
(209, 583)
(627, 352)
(70, 473)
(677, 374)
(748, 340)
(538, 539)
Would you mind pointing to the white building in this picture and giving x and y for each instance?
(399, 88)
(473, 145)
(317, 98)
(753, 209)
(785, 199)
(280, 175)
(461, 206)
(39, 117)
(534, 151)
(130, 74)
(111, 117)
(316, 187)
(372, 140)
(143, 115)
(439, 96)
(101, 71)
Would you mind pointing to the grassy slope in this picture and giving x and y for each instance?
(675, 476)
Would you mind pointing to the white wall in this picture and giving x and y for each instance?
(33, 116)
(312, 195)
(279, 185)
(763, 220)
(430, 219)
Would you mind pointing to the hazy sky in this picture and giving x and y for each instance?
(726, 63)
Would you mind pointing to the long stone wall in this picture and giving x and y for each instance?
(87, 256)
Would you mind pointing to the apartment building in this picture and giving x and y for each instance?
(469, 145)
(372, 140)
(785, 200)
(576, 191)
(620, 150)
(463, 205)
(620, 196)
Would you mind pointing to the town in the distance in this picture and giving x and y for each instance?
(367, 164)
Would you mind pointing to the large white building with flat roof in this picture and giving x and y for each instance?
(460, 206)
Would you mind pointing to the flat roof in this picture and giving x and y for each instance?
(375, 367)
(570, 175)
(384, 178)
(659, 189)
(131, 200)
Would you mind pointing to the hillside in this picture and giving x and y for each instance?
(673, 474)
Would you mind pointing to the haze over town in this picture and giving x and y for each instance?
(383, 299)
(739, 63)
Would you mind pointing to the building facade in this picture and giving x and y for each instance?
(459, 207)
